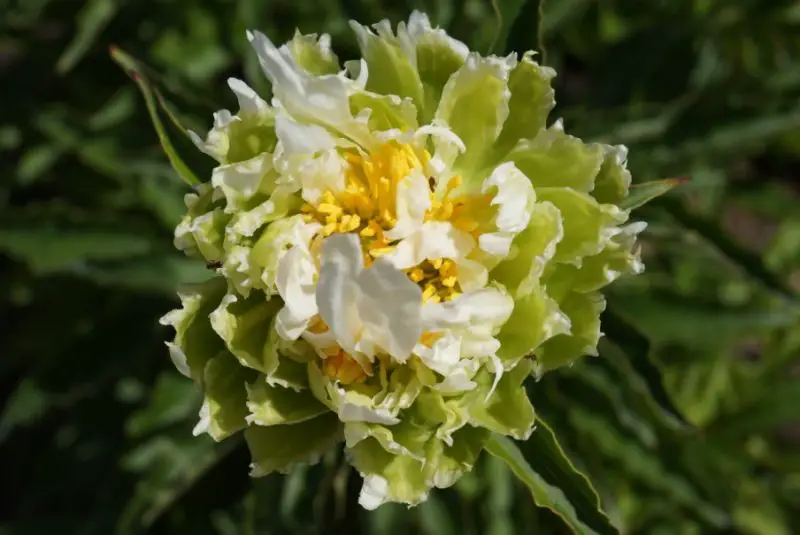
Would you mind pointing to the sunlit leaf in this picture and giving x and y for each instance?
(584, 518)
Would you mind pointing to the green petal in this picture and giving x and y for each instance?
(535, 319)
(584, 312)
(508, 410)
(386, 111)
(532, 99)
(251, 136)
(387, 477)
(289, 373)
(438, 56)
(271, 244)
(474, 105)
(279, 447)
(586, 223)
(225, 396)
(391, 71)
(195, 342)
(275, 405)
(314, 54)
(531, 250)
(446, 415)
(201, 231)
(446, 464)
(614, 179)
(409, 437)
(556, 159)
(620, 257)
(245, 324)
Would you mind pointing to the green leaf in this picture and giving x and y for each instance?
(506, 12)
(667, 318)
(91, 21)
(47, 248)
(583, 515)
(749, 262)
(774, 406)
(131, 67)
(641, 194)
(630, 351)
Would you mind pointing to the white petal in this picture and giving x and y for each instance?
(489, 306)
(515, 197)
(320, 174)
(389, 306)
(443, 356)
(249, 101)
(295, 282)
(178, 359)
(204, 421)
(337, 290)
(374, 492)
(498, 373)
(460, 378)
(435, 239)
(320, 99)
(240, 181)
(471, 274)
(413, 200)
(300, 138)
(352, 412)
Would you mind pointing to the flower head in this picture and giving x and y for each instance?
(401, 243)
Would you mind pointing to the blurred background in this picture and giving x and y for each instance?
(688, 424)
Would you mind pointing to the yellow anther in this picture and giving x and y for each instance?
(329, 208)
(416, 275)
(342, 367)
(428, 292)
(329, 229)
(454, 183)
(449, 282)
(436, 263)
(380, 251)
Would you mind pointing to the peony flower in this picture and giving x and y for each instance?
(399, 243)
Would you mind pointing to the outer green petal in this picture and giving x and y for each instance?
(201, 231)
(314, 54)
(385, 111)
(387, 477)
(391, 71)
(532, 99)
(251, 136)
(289, 373)
(437, 57)
(272, 243)
(584, 313)
(195, 341)
(556, 159)
(408, 437)
(531, 250)
(587, 224)
(445, 464)
(275, 405)
(535, 319)
(280, 447)
(614, 179)
(508, 410)
(446, 415)
(620, 257)
(226, 397)
(474, 105)
(245, 324)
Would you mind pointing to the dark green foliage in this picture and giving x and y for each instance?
(688, 423)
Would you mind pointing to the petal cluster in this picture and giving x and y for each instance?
(399, 243)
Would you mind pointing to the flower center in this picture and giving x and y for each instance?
(368, 206)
